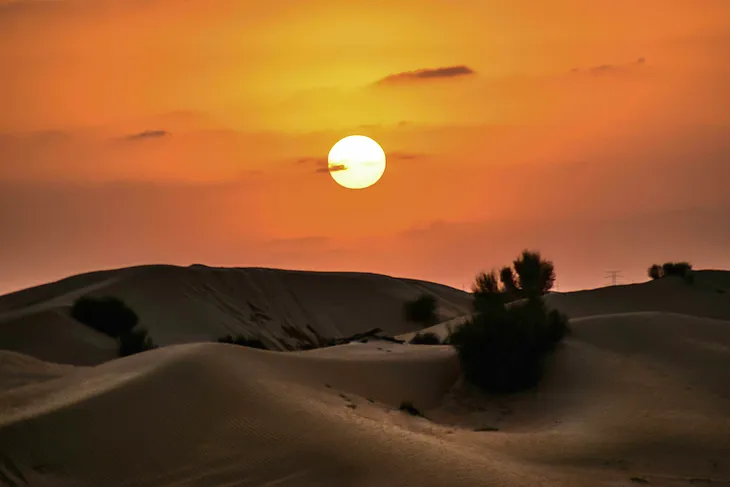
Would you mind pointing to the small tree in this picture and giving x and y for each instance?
(422, 310)
(108, 315)
(655, 271)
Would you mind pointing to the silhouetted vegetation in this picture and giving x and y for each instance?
(243, 341)
(530, 276)
(655, 271)
(108, 315)
(669, 269)
(113, 317)
(502, 348)
(425, 338)
(135, 341)
(408, 407)
(422, 310)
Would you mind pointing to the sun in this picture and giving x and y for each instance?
(356, 162)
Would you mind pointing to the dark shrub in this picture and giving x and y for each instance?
(655, 271)
(108, 315)
(422, 310)
(426, 338)
(530, 276)
(487, 291)
(503, 349)
(535, 276)
(135, 341)
(243, 341)
(681, 269)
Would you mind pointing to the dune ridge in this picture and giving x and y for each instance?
(198, 303)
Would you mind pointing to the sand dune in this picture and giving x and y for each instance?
(222, 415)
(639, 395)
(198, 303)
(631, 398)
(709, 297)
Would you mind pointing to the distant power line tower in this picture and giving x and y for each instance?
(613, 275)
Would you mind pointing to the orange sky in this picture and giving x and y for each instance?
(146, 131)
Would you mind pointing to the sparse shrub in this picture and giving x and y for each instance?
(487, 290)
(668, 269)
(655, 271)
(243, 341)
(108, 315)
(425, 338)
(422, 310)
(681, 269)
(530, 276)
(503, 349)
(135, 341)
(408, 407)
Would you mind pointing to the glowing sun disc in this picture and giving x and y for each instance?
(356, 162)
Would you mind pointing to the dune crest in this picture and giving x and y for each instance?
(198, 303)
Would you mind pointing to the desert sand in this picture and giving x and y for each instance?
(638, 394)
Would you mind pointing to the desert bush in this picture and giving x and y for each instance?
(680, 269)
(529, 276)
(487, 290)
(503, 349)
(108, 315)
(243, 341)
(669, 269)
(425, 338)
(422, 310)
(655, 271)
(135, 341)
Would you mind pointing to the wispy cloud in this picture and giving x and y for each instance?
(321, 164)
(603, 69)
(148, 134)
(332, 168)
(404, 156)
(427, 74)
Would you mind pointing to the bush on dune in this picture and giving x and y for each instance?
(425, 338)
(135, 341)
(108, 315)
(114, 318)
(422, 310)
(503, 348)
(669, 269)
(529, 276)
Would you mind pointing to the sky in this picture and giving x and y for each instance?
(166, 131)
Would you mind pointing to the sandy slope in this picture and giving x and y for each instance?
(198, 303)
(708, 297)
(642, 395)
(221, 415)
